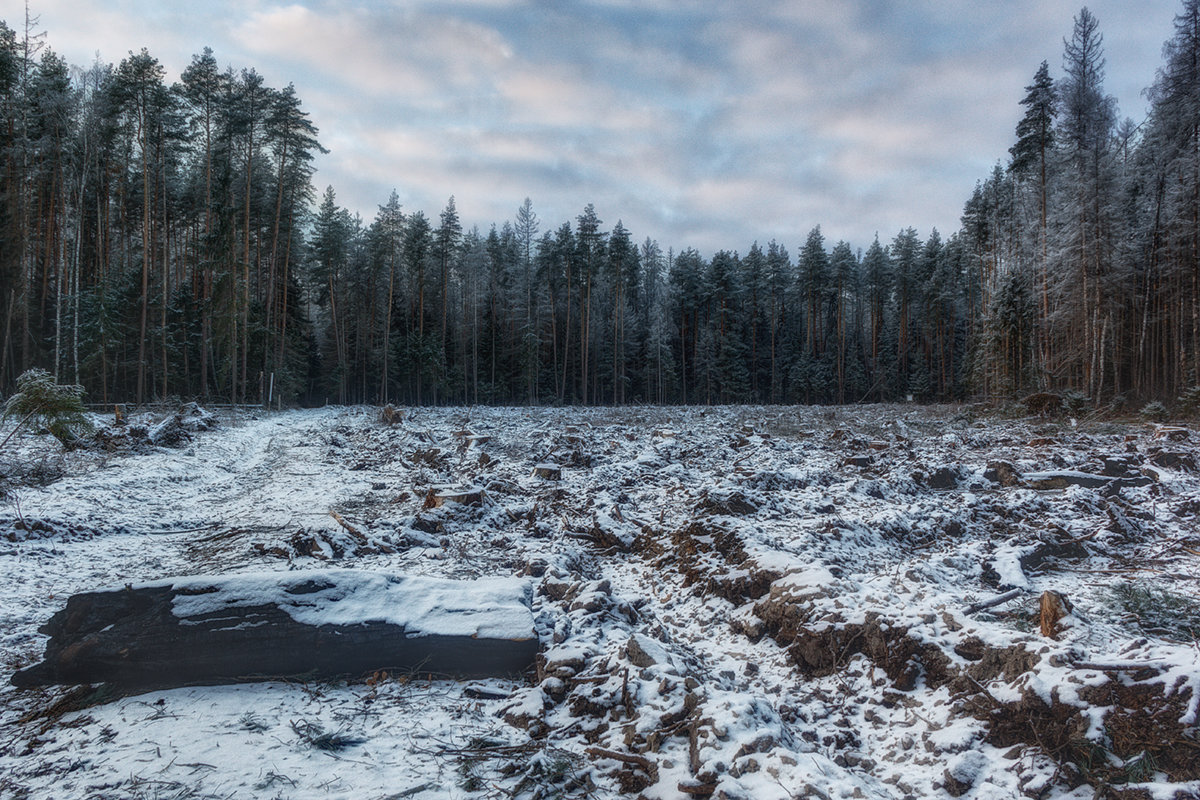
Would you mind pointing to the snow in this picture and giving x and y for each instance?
(487, 608)
(804, 583)
(1007, 563)
(672, 528)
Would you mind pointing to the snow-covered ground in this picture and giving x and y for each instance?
(730, 602)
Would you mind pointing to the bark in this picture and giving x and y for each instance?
(141, 370)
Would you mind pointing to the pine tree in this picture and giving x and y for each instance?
(41, 400)
(779, 279)
(590, 241)
(906, 268)
(329, 262)
(1031, 158)
(11, 222)
(446, 241)
(729, 379)
(1172, 157)
(1085, 225)
(200, 90)
(756, 287)
(877, 283)
(844, 277)
(141, 98)
(813, 286)
(292, 138)
(687, 273)
(418, 247)
(526, 228)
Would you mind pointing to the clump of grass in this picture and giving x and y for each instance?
(316, 736)
(1157, 610)
(250, 722)
(1141, 767)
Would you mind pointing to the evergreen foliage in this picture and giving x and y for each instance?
(39, 400)
(165, 240)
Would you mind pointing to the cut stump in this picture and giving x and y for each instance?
(1052, 607)
(308, 624)
(551, 472)
(467, 496)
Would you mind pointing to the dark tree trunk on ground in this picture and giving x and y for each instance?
(145, 636)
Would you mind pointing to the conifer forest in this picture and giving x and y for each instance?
(161, 237)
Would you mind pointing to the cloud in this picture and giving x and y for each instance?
(709, 124)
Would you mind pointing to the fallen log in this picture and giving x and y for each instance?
(1121, 666)
(1061, 479)
(359, 536)
(697, 789)
(307, 624)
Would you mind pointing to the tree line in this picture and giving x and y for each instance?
(162, 240)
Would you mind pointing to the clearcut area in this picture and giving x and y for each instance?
(879, 601)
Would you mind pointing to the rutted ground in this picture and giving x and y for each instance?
(731, 602)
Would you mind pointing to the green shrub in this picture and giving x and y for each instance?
(1154, 411)
(1189, 401)
(1156, 610)
(1076, 403)
(57, 409)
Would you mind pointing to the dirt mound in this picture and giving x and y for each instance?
(1143, 735)
(712, 557)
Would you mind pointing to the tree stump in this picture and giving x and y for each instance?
(551, 472)
(1051, 609)
(467, 496)
(1003, 473)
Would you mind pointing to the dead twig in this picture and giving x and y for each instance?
(974, 608)
(353, 531)
(625, 758)
(358, 535)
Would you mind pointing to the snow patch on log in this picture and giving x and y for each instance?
(487, 608)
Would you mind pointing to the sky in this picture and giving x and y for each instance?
(699, 124)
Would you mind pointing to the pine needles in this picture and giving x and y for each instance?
(58, 408)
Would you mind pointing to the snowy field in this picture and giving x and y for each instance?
(730, 602)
